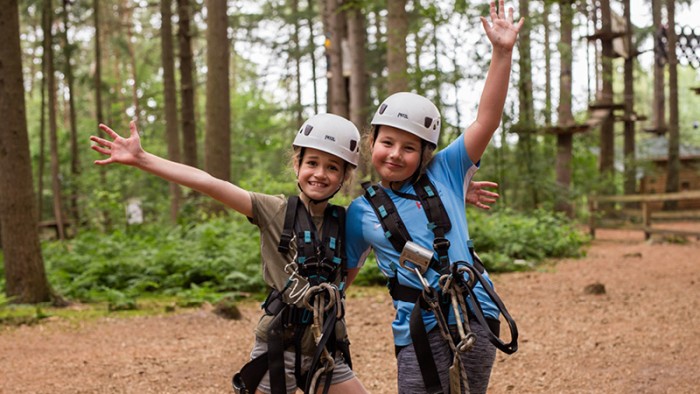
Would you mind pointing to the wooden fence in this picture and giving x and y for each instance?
(645, 201)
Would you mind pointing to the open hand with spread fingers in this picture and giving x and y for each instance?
(478, 196)
(502, 32)
(121, 150)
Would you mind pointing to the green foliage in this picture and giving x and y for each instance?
(370, 275)
(216, 256)
(510, 241)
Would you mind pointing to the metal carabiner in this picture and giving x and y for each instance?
(462, 268)
(466, 343)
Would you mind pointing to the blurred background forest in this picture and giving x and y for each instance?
(603, 101)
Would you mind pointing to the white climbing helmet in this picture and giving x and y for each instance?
(412, 113)
(331, 134)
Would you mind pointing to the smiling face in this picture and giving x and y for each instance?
(396, 154)
(320, 174)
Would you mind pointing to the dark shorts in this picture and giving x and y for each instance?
(341, 372)
(477, 362)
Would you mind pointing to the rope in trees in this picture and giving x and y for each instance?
(687, 48)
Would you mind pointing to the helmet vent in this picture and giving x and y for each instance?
(353, 145)
(428, 121)
(307, 129)
(382, 109)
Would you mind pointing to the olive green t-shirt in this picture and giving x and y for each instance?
(268, 215)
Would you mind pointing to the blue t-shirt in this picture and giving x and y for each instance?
(448, 171)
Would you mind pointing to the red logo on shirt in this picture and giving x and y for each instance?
(418, 204)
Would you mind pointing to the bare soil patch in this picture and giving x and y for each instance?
(641, 335)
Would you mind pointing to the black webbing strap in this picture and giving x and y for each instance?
(288, 227)
(328, 331)
(307, 242)
(438, 221)
(247, 379)
(421, 344)
(321, 258)
(275, 355)
(394, 229)
(507, 348)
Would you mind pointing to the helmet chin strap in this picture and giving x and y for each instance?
(314, 201)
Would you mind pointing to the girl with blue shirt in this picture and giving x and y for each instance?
(404, 134)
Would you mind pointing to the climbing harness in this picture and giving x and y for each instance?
(454, 291)
(317, 265)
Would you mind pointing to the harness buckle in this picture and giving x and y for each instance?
(239, 386)
(441, 244)
(417, 256)
(285, 240)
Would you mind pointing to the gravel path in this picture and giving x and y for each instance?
(640, 336)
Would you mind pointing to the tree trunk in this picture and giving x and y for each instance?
(74, 150)
(359, 94)
(526, 121)
(106, 219)
(357, 37)
(659, 107)
(547, 65)
(397, 61)
(42, 127)
(674, 163)
(630, 176)
(312, 53)
(25, 276)
(336, 28)
(296, 53)
(217, 157)
(189, 131)
(607, 128)
(53, 128)
(172, 137)
(127, 13)
(565, 117)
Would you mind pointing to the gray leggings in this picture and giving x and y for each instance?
(477, 362)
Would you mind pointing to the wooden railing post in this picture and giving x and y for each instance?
(646, 219)
(591, 217)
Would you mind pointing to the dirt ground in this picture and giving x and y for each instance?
(641, 336)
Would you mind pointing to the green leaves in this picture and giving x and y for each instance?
(216, 256)
(510, 241)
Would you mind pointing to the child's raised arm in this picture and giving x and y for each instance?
(128, 151)
(502, 33)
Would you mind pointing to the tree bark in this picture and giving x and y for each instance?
(189, 131)
(630, 173)
(659, 105)
(336, 28)
(357, 37)
(312, 52)
(172, 136)
(607, 128)
(296, 53)
(217, 144)
(74, 150)
(547, 64)
(127, 17)
(359, 94)
(565, 117)
(42, 127)
(526, 121)
(106, 219)
(25, 276)
(674, 163)
(53, 128)
(396, 58)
